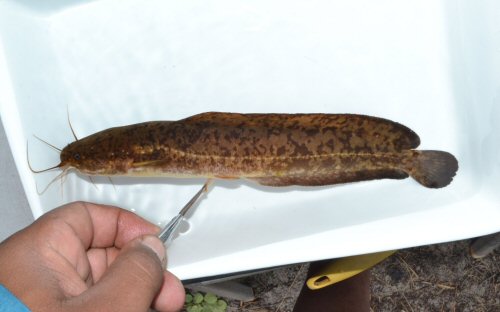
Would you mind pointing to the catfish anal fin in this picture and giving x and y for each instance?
(334, 178)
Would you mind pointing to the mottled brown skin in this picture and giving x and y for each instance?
(272, 149)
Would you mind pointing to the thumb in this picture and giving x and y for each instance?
(133, 279)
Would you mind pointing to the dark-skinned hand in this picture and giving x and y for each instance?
(88, 257)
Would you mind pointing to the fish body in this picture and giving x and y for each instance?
(271, 149)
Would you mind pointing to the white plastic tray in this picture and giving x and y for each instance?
(431, 65)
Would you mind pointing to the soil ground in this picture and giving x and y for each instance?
(441, 277)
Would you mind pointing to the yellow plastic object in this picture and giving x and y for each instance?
(343, 268)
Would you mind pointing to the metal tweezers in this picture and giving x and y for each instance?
(167, 234)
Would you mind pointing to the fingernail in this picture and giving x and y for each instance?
(155, 244)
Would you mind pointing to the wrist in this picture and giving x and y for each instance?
(9, 302)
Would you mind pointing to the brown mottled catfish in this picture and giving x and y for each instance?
(271, 149)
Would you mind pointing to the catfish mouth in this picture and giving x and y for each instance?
(62, 165)
(61, 175)
(69, 160)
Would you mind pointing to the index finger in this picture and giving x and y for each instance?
(101, 226)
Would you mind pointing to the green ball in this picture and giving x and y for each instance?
(210, 298)
(222, 304)
(194, 308)
(189, 298)
(198, 298)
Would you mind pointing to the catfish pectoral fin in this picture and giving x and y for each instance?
(434, 169)
(333, 177)
(148, 163)
(225, 177)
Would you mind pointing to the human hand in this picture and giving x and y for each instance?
(88, 257)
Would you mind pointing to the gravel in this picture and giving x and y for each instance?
(441, 277)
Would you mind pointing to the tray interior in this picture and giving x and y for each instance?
(429, 65)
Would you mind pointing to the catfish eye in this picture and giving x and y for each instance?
(76, 156)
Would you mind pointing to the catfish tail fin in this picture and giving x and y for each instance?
(434, 169)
